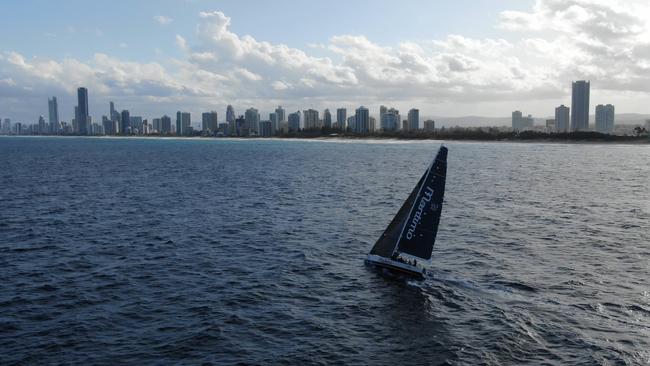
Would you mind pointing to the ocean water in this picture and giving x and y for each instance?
(172, 251)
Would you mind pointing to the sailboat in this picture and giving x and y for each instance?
(407, 243)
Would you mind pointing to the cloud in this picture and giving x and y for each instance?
(163, 20)
(543, 49)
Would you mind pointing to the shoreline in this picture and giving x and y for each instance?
(619, 140)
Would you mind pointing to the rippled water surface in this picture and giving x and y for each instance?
(143, 251)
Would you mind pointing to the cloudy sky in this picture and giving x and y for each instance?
(446, 58)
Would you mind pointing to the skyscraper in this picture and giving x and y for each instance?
(341, 117)
(53, 108)
(310, 119)
(230, 120)
(580, 105)
(165, 125)
(183, 123)
(273, 117)
(362, 117)
(279, 112)
(41, 125)
(252, 118)
(389, 119)
(429, 125)
(327, 119)
(414, 119)
(294, 122)
(562, 119)
(126, 122)
(83, 122)
(209, 123)
(605, 118)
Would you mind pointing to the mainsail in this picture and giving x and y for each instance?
(413, 230)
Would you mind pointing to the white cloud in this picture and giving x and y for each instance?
(163, 20)
(547, 47)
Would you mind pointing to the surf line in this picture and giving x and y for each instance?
(417, 217)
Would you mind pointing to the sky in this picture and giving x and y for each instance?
(460, 58)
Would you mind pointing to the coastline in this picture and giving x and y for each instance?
(613, 139)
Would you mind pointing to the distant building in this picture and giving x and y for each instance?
(580, 106)
(352, 123)
(414, 120)
(6, 125)
(429, 125)
(230, 120)
(183, 123)
(327, 119)
(275, 124)
(165, 125)
(605, 118)
(389, 119)
(362, 120)
(83, 122)
(310, 119)
(240, 126)
(550, 125)
(372, 124)
(209, 123)
(252, 117)
(294, 122)
(266, 129)
(156, 124)
(280, 114)
(136, 124)
(562, 119)
(125, 118)
(53, 109)
(341, 116)
(519, 122)
(41, 125)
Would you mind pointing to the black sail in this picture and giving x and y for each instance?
(385, 245)
(418, 233)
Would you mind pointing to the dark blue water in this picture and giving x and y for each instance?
(140, 251)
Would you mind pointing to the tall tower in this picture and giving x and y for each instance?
(82, 119)
(126, 122)
(562, 119)
(414, 119)
(53, 108)
(580, 105)
(362, 120)
(279, 114)
(341, 117)
(327, 119)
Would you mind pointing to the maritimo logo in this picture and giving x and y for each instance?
(426, 198)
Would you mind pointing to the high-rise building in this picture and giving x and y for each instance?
(327, 119)
(83, 122)
(240, 126)
(265, 129)
(580, 105)
(252, 118)
(517, 117)
(157, 125)
(352, 123)
(230, 120)
(209, 123)
(341, 117)
(279, 112)
(414, 119)
(389, 119)
(41, 125)
(273, 117)
(165, 125)
(294, 122)
(429, 125)
(562, 119)
(6, 125)
(605, 118)
(53, 108)
(125, 118)
(136, 124)
(183, 123)
(310, 119)
(362, 117)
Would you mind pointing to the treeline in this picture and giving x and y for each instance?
(472, 134)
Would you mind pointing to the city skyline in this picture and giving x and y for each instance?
(207, 54)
